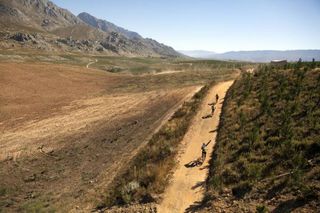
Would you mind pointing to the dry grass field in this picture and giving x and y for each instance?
(66, 130)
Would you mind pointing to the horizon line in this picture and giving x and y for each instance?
(212, 51)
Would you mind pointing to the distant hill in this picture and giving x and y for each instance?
(258, 56)
(197, 53)
(40, 24)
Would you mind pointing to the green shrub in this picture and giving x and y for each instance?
(3, 191)
(37, 206)
(215, 182)
(229, 176)
(241, 189)
(261, 209)
(254, 170)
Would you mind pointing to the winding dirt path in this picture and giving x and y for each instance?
(186, 188)
(92, 62)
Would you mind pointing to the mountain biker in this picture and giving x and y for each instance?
(204, 151)
(217, 98)
(213, 108)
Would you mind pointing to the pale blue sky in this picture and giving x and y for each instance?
(215, 25)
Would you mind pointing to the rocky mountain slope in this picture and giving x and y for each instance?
(40, 24)
(136, 40)
(107, 26)
(38, 14)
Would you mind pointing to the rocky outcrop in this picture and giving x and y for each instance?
(107, 26)
(4, 9)
(127, 40)
(22, 37)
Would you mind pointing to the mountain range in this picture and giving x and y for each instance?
(43, 26)
(40, 24)
(257, 56)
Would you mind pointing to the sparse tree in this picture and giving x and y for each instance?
(313, 64)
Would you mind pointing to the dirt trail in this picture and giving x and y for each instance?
(92, 62)
(168, 72)
(186, 188)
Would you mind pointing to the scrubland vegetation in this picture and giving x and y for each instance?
(267, 152)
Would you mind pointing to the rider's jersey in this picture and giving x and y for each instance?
(203, 148)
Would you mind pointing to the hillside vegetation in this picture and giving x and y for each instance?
(267, 153)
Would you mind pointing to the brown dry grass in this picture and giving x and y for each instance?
(86, 123)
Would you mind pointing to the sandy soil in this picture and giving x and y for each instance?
(186, 188)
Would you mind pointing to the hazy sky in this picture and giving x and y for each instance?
(216, 25)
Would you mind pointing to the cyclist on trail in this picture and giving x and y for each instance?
(217, 98)
(213, 108)
(204, 151)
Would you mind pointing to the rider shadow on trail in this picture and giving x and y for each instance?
(198, 185)
(204, 167)
(199, 205)
(193, 163)
(195, 207)
(207, 116)
(213, 131)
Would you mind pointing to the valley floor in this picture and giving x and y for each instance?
(67, 130)
(64, 135)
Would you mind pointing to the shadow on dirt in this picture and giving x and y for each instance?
(194, 207)
(199, 205)
(289, 205)
(207, 116)
(204, 167)
(213, 131)
(198, 184)
(194, 163)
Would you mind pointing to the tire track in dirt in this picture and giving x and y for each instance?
(26, 139)
(187, 186)
(92, 62)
